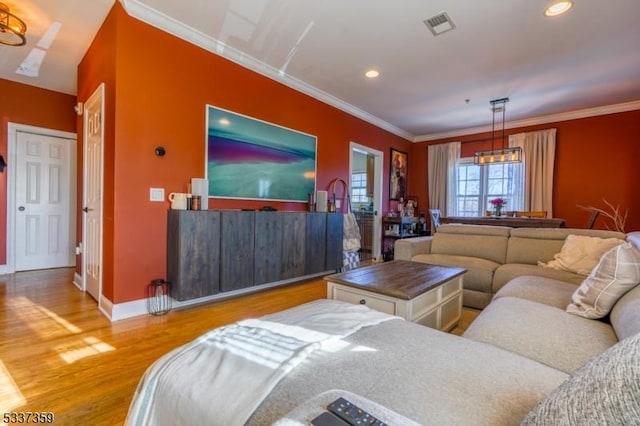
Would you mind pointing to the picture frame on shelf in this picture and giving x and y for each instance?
(398, 174)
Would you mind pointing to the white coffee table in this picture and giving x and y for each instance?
(427, 294)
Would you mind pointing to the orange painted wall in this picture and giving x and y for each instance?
(29, 105)
(596, 158)
(160, 89)
(97, 67)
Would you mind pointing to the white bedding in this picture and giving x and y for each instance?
(222, 376)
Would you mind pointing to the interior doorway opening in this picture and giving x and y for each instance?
(366, 197)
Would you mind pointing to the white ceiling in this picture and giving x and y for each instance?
(584, 62)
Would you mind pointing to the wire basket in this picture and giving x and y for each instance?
(158, 299)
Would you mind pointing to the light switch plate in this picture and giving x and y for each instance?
(156, 194)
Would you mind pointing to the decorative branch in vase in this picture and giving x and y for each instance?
(614, 214)
(498, 204)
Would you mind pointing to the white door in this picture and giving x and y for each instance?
(45, 225)
(92, 198)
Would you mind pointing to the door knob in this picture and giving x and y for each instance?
(21, 208)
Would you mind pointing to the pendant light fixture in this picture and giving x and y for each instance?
(12, 28)
(502, 154)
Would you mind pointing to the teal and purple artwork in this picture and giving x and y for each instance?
(251, 159)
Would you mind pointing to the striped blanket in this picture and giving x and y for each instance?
(223, 376)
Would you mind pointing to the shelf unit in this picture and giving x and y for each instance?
(394, 228)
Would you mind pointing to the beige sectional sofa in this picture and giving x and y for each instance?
(528, 317)
(524, 360)
(493, 255)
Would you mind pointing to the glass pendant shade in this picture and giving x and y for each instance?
(12, 28)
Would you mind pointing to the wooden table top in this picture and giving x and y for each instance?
(514, 222)
(401, 279)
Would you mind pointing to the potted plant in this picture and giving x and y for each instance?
(498, 204)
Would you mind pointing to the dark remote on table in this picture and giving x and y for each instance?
(352, 414)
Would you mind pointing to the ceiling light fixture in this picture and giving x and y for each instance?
(12, 28)
(558, 7)
(372, 73)
(503, 154)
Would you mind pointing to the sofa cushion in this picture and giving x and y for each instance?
(533, 245)
(484, 242)
(541, 332)
(426, 375)
(475, 299)
(580, 253)
(617, 272)
(604, 391)
(625, 315)
(509, 271)
(539, 289)
(406, 248)
(479, 271)
(634, 238)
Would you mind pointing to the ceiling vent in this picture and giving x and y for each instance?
(441, 23)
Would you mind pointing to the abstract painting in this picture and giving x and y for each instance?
(249, 158)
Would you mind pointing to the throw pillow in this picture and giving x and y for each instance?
(604, 391)
(617, 272)
(580, 254)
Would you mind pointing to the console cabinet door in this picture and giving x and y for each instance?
(294, 239)
(334, 241)
(268, 247)
(193, 253)
(237, 249)
(316, 244)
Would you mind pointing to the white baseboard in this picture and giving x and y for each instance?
(77, 281)
(106, 307)
(122, 311)
(5, 269)
(136, 308)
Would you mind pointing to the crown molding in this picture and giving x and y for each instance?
(554, 118)
(170, 25)
(167, 24)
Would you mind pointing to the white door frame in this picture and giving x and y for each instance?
(378, 184)
(97, 96)
(12, 136)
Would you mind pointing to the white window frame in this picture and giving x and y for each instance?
(359, 190)
(483, 197)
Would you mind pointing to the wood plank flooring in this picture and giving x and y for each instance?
(59, 354)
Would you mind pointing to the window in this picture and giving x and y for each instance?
(359, 188)
(477, 185)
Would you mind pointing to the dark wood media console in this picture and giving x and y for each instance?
(212, 251)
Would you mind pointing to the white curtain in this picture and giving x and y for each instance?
(442, 177)
(538, 158)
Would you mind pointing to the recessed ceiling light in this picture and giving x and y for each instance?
(372, 73)
(558, 7)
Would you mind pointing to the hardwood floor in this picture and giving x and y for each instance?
(59, 354)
